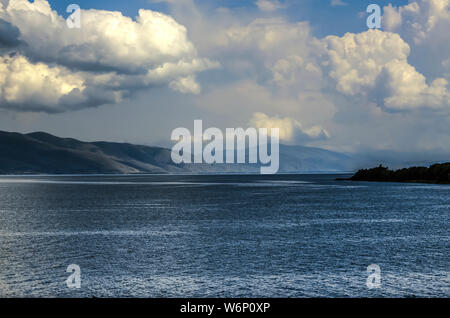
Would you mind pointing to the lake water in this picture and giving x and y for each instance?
(222, 236)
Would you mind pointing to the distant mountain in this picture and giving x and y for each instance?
(310, 159)
(42, 153)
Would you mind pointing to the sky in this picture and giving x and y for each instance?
(137, 69)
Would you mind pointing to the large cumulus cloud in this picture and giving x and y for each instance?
(368, 67)
(377, 62)
(110, 56)
(291, 130)
(387, 89)
(370, 88)
(23, 81)
(424, 25)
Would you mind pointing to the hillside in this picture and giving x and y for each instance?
(42, 153)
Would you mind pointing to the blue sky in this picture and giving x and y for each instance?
(324, 18)
(309, 66)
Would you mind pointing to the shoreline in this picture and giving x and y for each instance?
(396, 181)
(435, 174)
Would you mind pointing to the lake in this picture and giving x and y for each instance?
(222, 236)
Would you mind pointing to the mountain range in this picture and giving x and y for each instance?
(42, 153)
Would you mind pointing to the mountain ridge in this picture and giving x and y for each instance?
(43, 153)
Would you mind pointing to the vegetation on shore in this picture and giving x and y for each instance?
(437, 173)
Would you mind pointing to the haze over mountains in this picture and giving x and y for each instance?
(42, 153)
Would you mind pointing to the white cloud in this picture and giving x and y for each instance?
(376, 60)
(336, 3)
(185, 85)
(274, 66)
(355, 60)
(421, 17)
(23, 81)
(286, 50)
(408, 88)
(291, 69)
(269, 35)
(269, 5)
(301, 63)
(107, 39)
(365, 89)
(392, 16)
(290, 129)
(110, 51)
(424, 25)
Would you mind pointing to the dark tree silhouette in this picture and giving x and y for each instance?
(437, 173)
